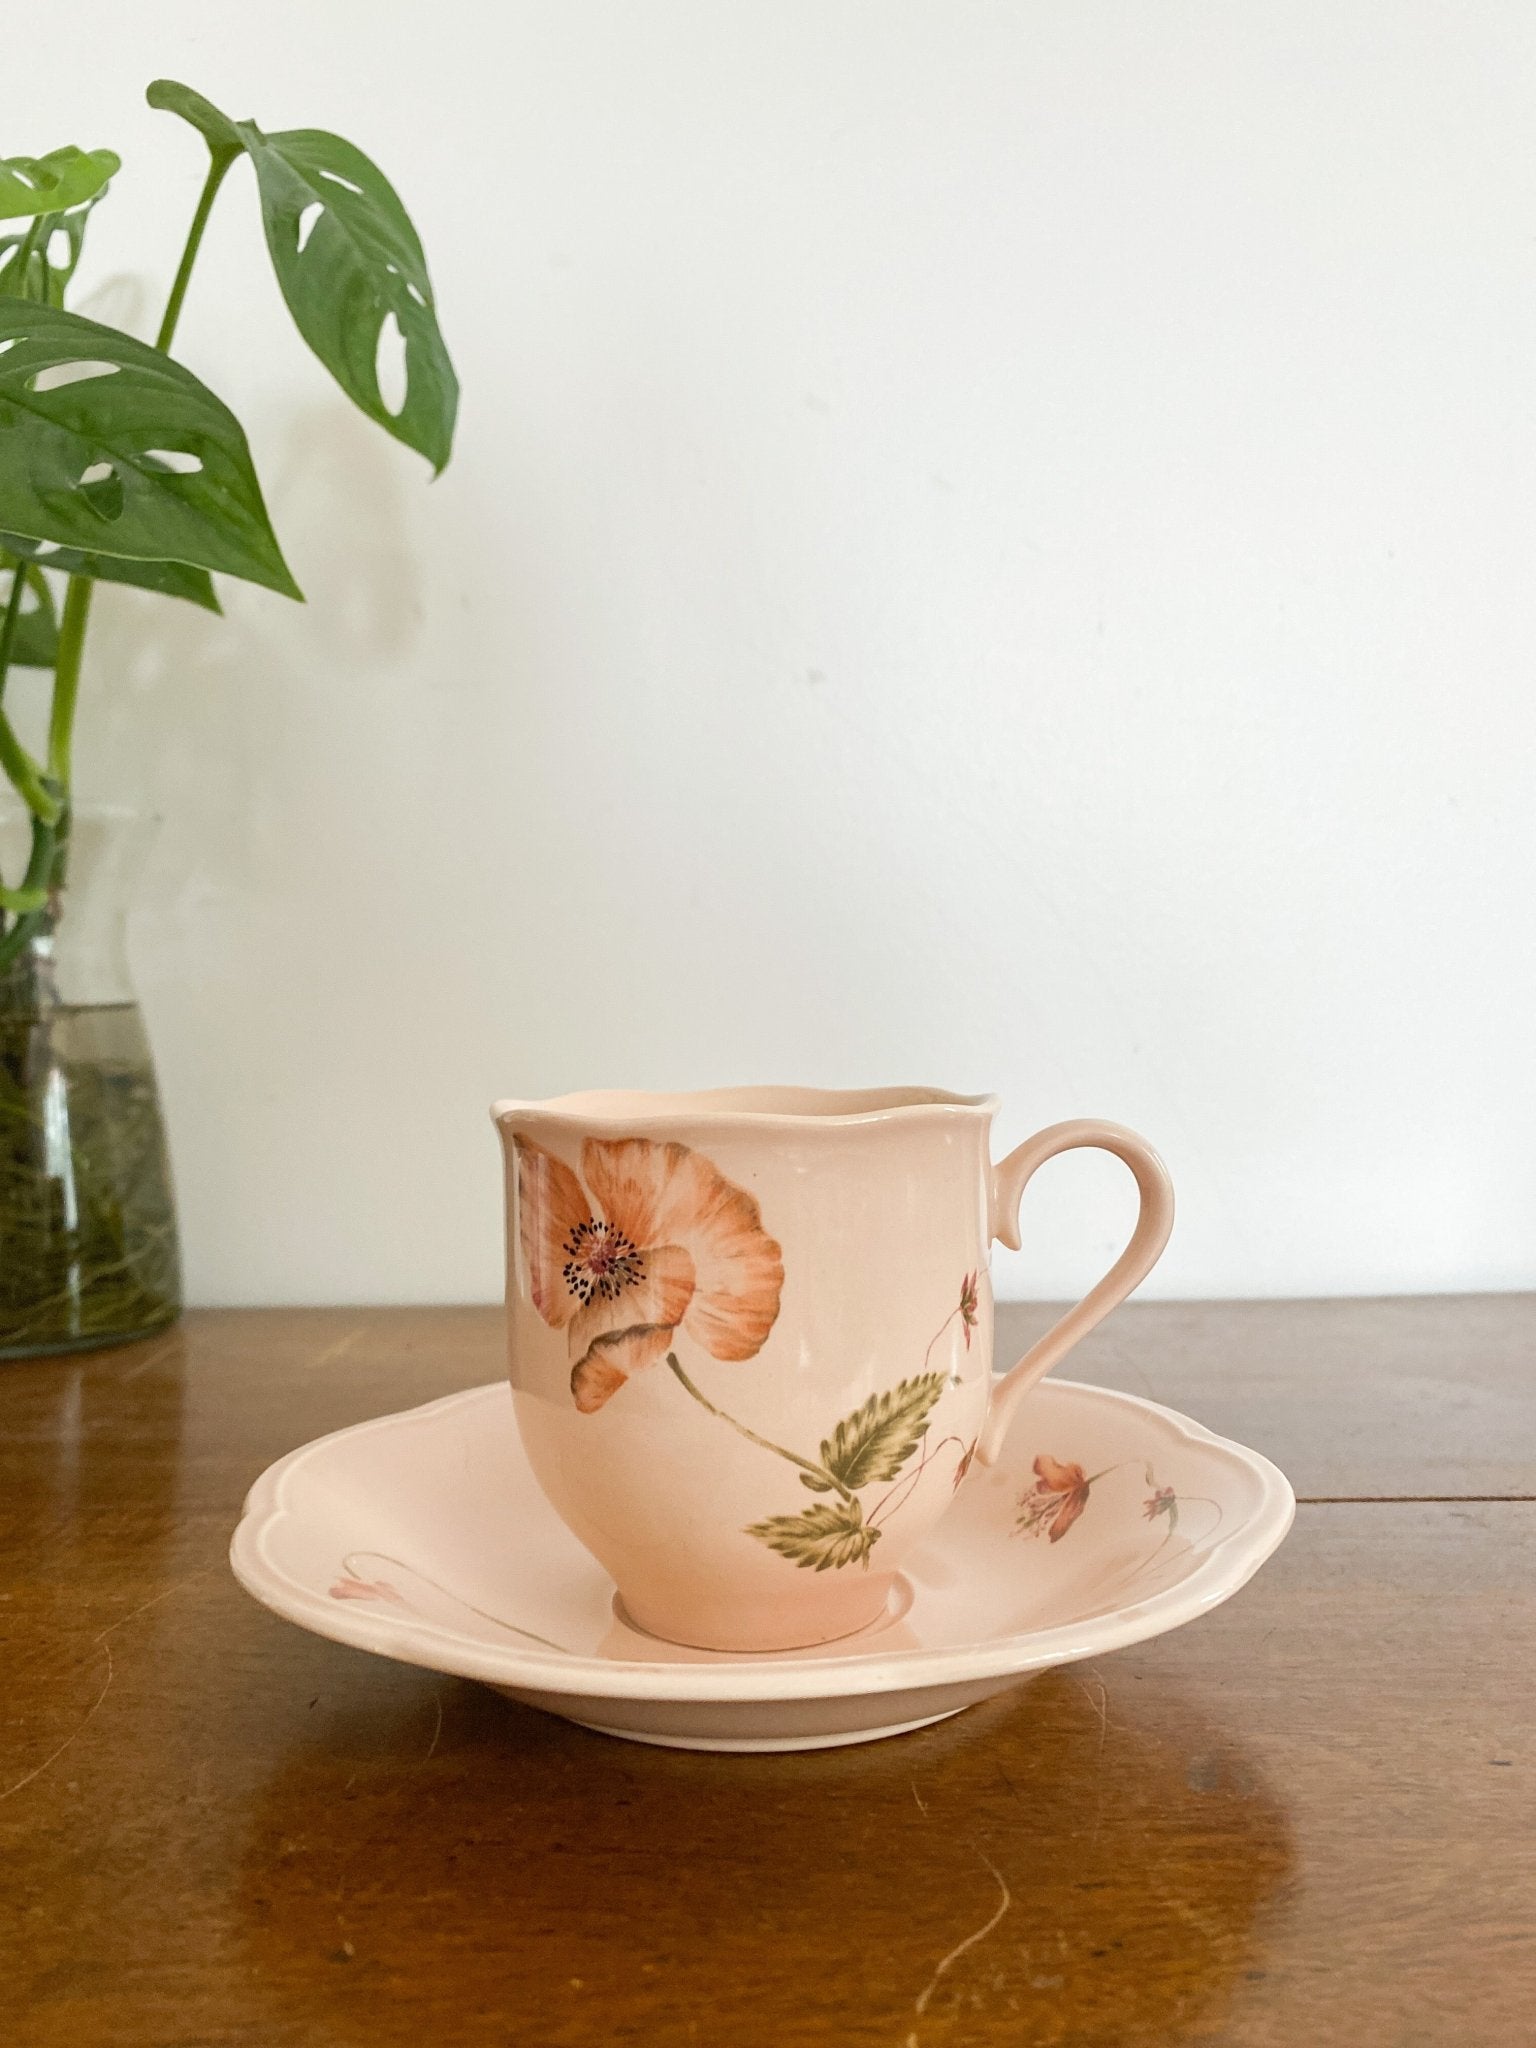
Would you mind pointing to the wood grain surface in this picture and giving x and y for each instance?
(1309, 1818)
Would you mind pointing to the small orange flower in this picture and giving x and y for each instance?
(968, 1306)
(1058, 1497)
(662, 1241)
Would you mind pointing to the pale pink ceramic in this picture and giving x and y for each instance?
(1106, 1520)
(750, 1337)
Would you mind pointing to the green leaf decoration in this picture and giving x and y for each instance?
(37, 275)
(108, 446)
(349, 264)
(170, 579)
(30, 185)
(876, 1440)
(822, 1538)
(36, 644)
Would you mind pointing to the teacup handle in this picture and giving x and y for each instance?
(1010, 1177)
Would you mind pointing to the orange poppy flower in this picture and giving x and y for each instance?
(1058, 1497)
(663, 1241)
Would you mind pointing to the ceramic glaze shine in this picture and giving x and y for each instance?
(750, 1338)
(425, 1536)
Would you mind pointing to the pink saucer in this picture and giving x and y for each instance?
(423, 1536)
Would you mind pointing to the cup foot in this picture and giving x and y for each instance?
(744, 1634)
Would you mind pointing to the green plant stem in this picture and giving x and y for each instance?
(24, 255)
(77, 605)
(11, 621)
(66, 679)
(30, 902)
(219, 165)
(25, 775)
(752, 1436)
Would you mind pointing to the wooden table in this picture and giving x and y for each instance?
(1310, 1818)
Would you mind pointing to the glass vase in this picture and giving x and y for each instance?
(88, 1245)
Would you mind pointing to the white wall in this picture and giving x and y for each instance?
(989, 544)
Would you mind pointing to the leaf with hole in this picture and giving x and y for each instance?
(51, 263)
(169, 579)
(108, 446)
(823, 1538)
(876, 1440)
(350, 266)
(352, 270)
(30, 185)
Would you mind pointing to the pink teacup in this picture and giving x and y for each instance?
(750, 1336)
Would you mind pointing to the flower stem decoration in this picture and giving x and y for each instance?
(651, 1242)
(118, 465)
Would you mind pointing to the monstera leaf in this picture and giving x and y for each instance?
(30, 185)
(876, 1440)
(170, 579)
(113, 448)
(225, 138)
(43, 271)
(822, 1538)
(348, 262)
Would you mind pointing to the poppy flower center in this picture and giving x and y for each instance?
(602, 1262)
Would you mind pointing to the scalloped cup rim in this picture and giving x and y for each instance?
(848, 1672)
(755, 1107)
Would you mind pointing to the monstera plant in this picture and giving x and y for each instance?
(119, 465)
